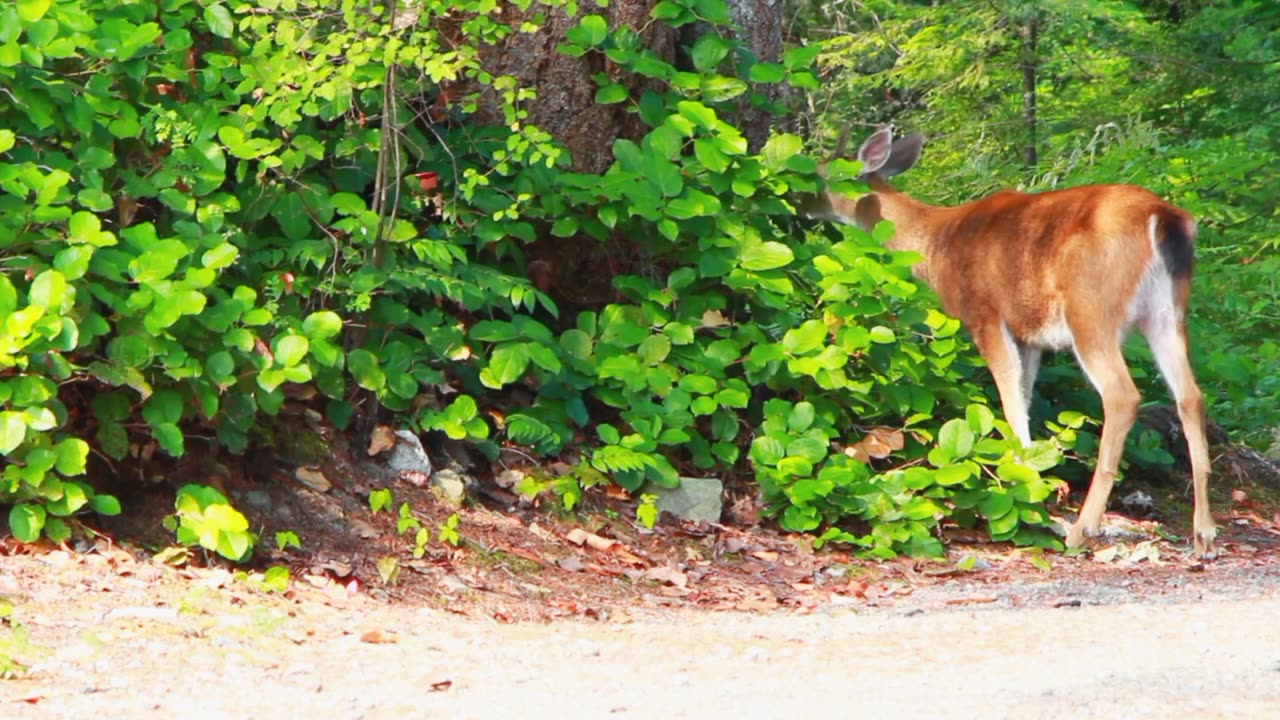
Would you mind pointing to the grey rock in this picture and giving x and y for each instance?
(258, 500)
(1138, 500)
(408, 454)
(693, 499)
(1273, 452)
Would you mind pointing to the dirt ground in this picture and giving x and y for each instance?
(548, 614)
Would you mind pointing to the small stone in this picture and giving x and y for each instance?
(508, 479)
(1138, 500)
(699, 499)
(408, 454)
(258, 500)
(452, 485)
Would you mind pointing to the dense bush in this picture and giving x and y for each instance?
(1177, 97)
(204, 204)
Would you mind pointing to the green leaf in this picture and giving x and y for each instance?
(805, 338)
(779, 149)
(365, 369)
(654, 349)
(218, 18)
(720, 88)
(694, 203)
(290, 350)
(800, 417)
(612, 93)
(13, 429)
(30, 11)
(953, 474)
(710, 155)
(801, 57)
(590, 31)
(105, 504)
(767, 73)
(996, 505)
(526, 430)
(219, 257)
(544, 357)
(766, 256)
(956, 438)
(882, 335)
(48, 289)
(708, 51)
(169, 437)
(72, 453)
(508, 363)
(980, 418)
(26, 521)
(322, 325)
(701, 384)
(577, 343)
(666, 10)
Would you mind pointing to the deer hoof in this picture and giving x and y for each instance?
(1077, 536)
(1203, 542)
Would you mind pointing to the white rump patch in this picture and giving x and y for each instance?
(1152, 305)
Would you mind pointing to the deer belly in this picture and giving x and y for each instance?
(1052, 334)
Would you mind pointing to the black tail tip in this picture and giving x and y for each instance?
(1177, 236)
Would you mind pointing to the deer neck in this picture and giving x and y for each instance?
(914, 222)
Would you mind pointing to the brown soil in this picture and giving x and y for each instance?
(574, 615)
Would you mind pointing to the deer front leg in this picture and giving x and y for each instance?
(1004, 358)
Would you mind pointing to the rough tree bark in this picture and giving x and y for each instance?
(579, 270)
(565, 105)
(761, 30)
(1030, 66)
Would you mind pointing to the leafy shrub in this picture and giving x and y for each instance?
(204, 518)
(198, 212)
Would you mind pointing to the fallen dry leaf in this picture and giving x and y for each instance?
(856, 588)
(766, 604)
(364, 529)
(571, 563)
(379, 637)
(578, 536)
(313, 478)
(382, 438)
(440, 685)
(667, 574)
(714, 319)
(765, 555)
(878, 443)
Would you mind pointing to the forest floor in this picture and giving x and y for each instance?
(589, 615)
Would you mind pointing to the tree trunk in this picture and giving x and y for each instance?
(760, 27)
(565, 104)
(1030, 65)
(579, 270)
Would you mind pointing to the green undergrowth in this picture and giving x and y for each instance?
(203, 204)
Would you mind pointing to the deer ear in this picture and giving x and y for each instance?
(875, 152)
(903, 155)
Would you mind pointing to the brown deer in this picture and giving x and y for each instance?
(1075, 268)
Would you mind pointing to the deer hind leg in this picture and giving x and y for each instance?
(1104, 364)
(1168, 340)
(1005, 357)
